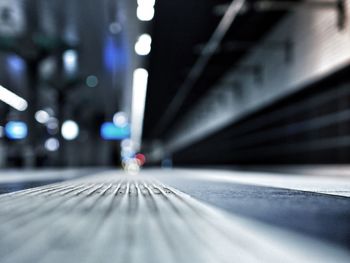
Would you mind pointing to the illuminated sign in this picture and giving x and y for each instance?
(109, 131)
(16, 130)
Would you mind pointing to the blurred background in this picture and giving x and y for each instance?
(253, 94)
(174, 83)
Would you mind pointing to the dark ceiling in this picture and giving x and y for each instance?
(180, 29)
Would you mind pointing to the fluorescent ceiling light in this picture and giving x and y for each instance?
(145, 13)
(70, 61)
(139, 91)
(70, 130)
(143, 45)
(12, 99)
(146, 2)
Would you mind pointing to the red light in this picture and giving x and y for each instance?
(141, 159)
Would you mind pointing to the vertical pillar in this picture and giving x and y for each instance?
(32, 98)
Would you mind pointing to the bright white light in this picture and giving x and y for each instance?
(70, 60)
(42, 116)
(146, 2)
(52, 144)
(120, 119)
(126, 143)
(131, 166)
(145, 10)
(140, 79)
(145, 13)
(143, 45)
(70, 130)
(127, 153)
(12, 99)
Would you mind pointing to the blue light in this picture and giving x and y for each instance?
(15, 63)
(16, 130)
(111, 132)
(110, 54)
(114, 55)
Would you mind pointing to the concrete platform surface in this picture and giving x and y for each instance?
(112, 217)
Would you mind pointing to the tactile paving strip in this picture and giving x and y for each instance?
(132, 219)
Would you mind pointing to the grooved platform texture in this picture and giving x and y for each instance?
(137, 219)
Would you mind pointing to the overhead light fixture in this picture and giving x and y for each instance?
(145, 10)
(52, 144)
(120, 119)
(146, 2)
(70, 130)
(12, 99)
(140, 79)
(70, 61)
(42, 116)
(143, 45)
(145, 14)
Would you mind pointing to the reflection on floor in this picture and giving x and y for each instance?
(146, 218)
